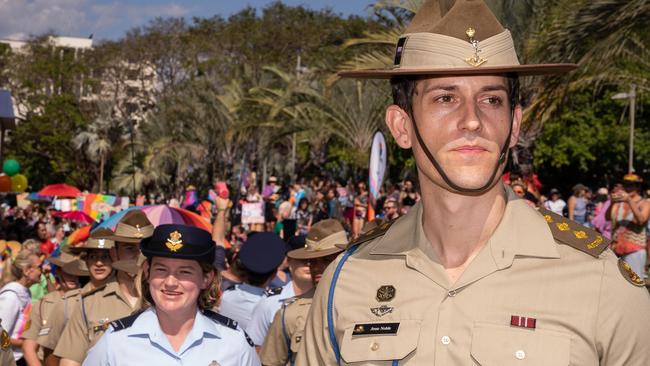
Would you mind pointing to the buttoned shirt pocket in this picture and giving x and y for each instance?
(385, 341)
(498, 345)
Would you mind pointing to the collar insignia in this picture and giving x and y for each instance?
(474, 60)
(174, 242)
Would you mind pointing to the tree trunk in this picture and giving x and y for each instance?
(101, 174)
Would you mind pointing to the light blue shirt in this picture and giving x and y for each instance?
(238, 302)
(265, 311)
(144, 343)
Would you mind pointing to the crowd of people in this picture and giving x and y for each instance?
(57, 299)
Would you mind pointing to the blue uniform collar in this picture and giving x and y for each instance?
(147, 326)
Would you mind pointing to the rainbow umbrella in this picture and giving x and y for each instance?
(161, 214)
(78, 216)
(77, 236)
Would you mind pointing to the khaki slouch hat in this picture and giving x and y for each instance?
(464, 39)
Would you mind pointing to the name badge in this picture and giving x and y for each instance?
(374, 329)
(44, 331)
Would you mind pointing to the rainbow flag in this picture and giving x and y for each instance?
(97, 205)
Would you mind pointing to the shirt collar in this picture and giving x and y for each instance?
(251, 289)
(147, 325)
(521, 232)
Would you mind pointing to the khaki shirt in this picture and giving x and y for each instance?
(39, 319)
(282, 336)
(6, 354)
(59, 316)
(90, 320)
(585, 311)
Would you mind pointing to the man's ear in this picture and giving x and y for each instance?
(399, 122)
(516, 125)
(145, 270)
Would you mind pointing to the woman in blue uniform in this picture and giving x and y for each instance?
(180, 285)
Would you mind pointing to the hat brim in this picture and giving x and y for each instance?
(303, 253)
(122, 239)
(522, 70)
(75, 267)
(205, 257)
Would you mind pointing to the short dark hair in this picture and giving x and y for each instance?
(403, 88)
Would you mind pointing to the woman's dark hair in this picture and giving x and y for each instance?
(252, 278)
(403, 88)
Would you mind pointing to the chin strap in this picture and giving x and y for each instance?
(502, 158)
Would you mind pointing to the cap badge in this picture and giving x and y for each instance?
(385, 293)
(474, 60)
(139, 234)
(174, 242)
(101, 243)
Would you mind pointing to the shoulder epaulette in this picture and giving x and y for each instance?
(231, 287)
(289, 301)
(72, 293)
(272, 291)
(575, 235)
(125, 322)
(224, 320)
(373, 233)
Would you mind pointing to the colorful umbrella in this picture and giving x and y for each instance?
(161, 214)
(59, 190)
(77, 236)
(78, 216)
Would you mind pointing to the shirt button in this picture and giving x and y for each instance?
(520, 354)
(374, 346)
(445, 340)
(452, 293)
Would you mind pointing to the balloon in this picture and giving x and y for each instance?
(11, 167)
(18, 183)
(5, 183)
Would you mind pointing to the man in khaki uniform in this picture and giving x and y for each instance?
(69, 269)
(115, 300)
(471, 275)
(95, 255)
(324, 241)
(6, 354)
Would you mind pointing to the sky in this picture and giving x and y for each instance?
(110, 19)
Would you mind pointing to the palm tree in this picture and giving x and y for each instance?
(98, 139)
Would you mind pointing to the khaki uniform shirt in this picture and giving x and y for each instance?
(90, 320)
(393, 301)
(287, 333)
(59, 316)
(39, 319)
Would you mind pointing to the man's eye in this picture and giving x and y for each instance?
(493, 100)
(445, 98)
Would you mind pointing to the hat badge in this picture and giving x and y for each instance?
(139, 234)
(474, 60)
(101, 243)
(174, 242)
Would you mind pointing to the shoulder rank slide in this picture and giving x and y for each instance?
(224, 320)
(125, 322)
(575, 235)
(629, 274)
(372, 233)
(272, 291)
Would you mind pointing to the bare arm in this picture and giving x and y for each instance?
(219, 227)
(572, 206)
(29, 352)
